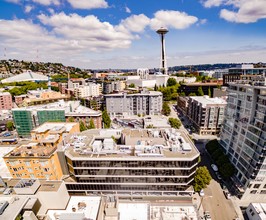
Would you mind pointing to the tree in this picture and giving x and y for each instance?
(209, 92)
(10, 126)
(166, 109)
(171, 82)
(91, 125)
(192, 94)
(71, 119)
(106, 119)
(174, 122)
(82, 127)
(132, 85)
(155, 87)
(200, 91)
(202, 178)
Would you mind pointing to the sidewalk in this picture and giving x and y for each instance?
(237, 208)
(197, 201)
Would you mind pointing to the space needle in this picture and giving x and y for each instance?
(162, 31)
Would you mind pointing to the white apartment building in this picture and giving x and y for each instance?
(206, 114)
(144, 103)
(91, 89)
(243, 137)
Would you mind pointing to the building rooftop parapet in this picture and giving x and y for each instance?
(135, 143)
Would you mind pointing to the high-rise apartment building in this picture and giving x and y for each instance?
(5, 101)
(144, 103)
(39, 159)
(243, 137)
(206, 113)
(140, 163)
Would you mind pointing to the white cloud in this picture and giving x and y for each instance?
(134, 23)
(47, 2)
(28, 8)
(212, 3)
(172, 19)
(127, 10)
(249, 12)
(88, 31)
(50, 10)
(88, 4)
(245, 11)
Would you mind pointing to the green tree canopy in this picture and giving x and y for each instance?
(71, 119)
(91, 125)
(82, 126)
(200, 91)
(192, 94)
(166, 109)
(132, 85)
(10, 126)
(202, 178)
(171, 82)
(106, 119)
(174, 122)
(209, 92)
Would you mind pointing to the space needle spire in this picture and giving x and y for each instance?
(163, 66)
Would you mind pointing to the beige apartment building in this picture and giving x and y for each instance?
(39, 159)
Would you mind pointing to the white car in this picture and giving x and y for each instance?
(214, 167)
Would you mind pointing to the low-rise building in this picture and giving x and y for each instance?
(27, 118)
(206, 86)
(144, 103)
(139, 163)
(38, 159)
(40, 96)
(5, 101)
(206, 114)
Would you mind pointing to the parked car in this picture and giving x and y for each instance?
(227, 194)
(214, 167)
(7, 134)
(218, 175)
(207, 215)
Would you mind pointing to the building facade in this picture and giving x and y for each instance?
(113, 86)
(91, 89)
(139, 163)
(38, 159)
(5, 101)
(144, 103)
(243, 70)
(27, 118)
(206, 114)
(243, 137)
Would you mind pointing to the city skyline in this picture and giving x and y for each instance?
(105, 34)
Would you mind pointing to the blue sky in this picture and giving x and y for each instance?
(122, 33)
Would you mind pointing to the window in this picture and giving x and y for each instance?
(30, 170)
(253, 191)
(256, 186)
(263, 192)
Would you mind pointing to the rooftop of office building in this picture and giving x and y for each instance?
(143, 93)
(71, 108)
(132, 144)
(206, 100)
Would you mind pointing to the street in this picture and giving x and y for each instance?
(214, 200)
